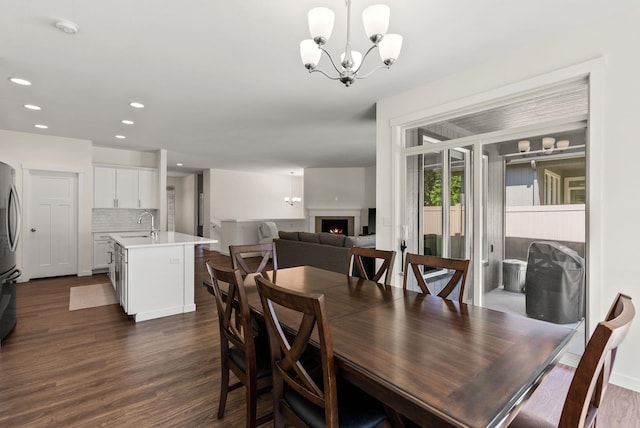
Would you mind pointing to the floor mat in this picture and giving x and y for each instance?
(91, 296)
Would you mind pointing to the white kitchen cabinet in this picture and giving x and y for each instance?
(101, 251)
(127, 188)
(104, 187)
(148, 188)
(122, 187)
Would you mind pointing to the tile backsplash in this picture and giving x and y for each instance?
(106, 219)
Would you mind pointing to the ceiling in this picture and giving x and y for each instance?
(222, 82)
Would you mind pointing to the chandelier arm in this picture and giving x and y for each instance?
(364, 57)
(330, 59)
(323, 72)
(372, 71)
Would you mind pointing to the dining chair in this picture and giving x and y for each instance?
(243, 350)
(458, 266)
(268, 251)
(357, 255)
(591, 377)
(310, 395)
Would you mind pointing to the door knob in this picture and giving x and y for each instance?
(33, 229)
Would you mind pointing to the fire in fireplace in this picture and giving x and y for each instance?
(336, 226)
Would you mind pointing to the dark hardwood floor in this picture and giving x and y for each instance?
(96, 367)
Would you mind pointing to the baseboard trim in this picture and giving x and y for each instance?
(625, 382)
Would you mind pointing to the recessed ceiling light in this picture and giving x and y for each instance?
(136, 104)
(67, 27)
(41, 126)
(178, 164)
(32, 107)
(19, 81)
(120, 137)
(127, 122)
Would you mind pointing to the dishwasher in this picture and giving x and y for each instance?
(120, 268)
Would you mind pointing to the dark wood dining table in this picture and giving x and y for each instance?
(436, 361)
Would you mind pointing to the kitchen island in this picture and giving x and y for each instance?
(153, 276)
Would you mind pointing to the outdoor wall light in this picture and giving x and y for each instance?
(524, 146)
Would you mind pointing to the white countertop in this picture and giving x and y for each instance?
(115, 230)
(142, 239)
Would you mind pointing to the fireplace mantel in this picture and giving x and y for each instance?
(335, 212)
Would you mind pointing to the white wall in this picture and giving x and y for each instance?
(124, 157)
(329, 189)
(336, 188)
(24, 150)
(185, 203)
(617, 266)
(252, 195)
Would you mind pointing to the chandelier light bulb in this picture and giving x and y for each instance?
(562, 144)
(389, 48)
(376, 21)
(309, 53)
(321, 21)
(356, 57)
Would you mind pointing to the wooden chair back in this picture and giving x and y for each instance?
(356, 256)
(591, 377)
(287, 352)
(458, 266)
(268, 251)
(233, 313)
(239, 351)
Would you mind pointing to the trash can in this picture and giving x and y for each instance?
(513, 275)
(554, 283)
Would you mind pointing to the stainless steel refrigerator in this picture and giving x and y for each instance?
(9, 234)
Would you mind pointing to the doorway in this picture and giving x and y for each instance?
(480, 167)
(51, 223)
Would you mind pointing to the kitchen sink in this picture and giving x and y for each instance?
(136, 236)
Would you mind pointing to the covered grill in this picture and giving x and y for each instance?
(554, 283)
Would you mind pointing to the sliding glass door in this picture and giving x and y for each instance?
(439, 192)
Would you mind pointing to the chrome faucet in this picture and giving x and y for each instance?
(153, 232)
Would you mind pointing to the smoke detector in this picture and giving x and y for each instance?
(67, 27)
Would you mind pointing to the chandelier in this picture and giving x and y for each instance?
(376, 22)
(292, 199)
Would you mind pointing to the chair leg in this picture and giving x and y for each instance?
(224, 389)
(252, 404)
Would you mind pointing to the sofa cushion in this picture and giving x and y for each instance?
(309, 237)
(292, 236)
(336, 240)
(361, 241)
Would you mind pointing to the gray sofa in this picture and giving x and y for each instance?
(323, 250)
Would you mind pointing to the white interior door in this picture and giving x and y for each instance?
(52, 232)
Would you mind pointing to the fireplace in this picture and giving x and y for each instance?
(316, 215)
(339, 225)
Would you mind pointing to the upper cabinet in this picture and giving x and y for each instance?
(104, 187)
(127, 188)
(148, 188)
(121, 187)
